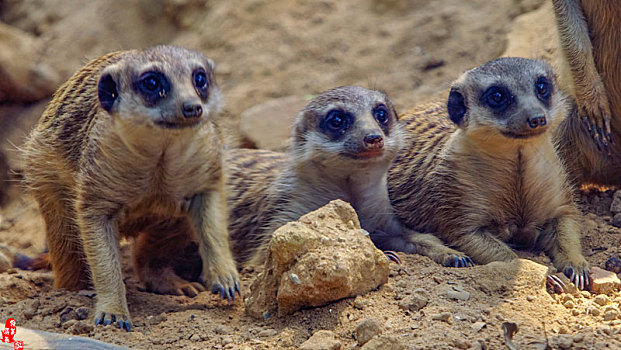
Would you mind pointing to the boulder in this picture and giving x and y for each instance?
(323, 257)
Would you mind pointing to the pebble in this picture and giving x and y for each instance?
(81, 313)
(565, 341)
(569, 304)
(613, 264)
(477, 326)
(81, 327)
(610, 315)
(266, 333)
(578, 338)
(530, 297)
(444, 316)
(367, 329)
(321, 340)
(221, 329)
(32, 310)
(575, 312)
(226, 340)
(67, 314)
(414, 302)
(601, 299)
(195, 337)
(453, 294)
(603, 282)
(593, 311)
(563, 330)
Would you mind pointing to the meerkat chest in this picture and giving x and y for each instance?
(520, 195)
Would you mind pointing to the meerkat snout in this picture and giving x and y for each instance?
(536, 121)
(192, 110)
(373, 142)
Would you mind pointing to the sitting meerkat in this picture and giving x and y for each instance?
(484, 173)
(589, 139)
(127, 141)
(343, 143)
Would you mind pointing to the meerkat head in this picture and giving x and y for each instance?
(507, 98)
(163, 86)
(346, 127)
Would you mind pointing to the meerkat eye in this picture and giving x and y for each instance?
(497, 98)
(336, 122)
(153, 86)
(542, 87)
(151, 83)
(381, 114)
(200, 79)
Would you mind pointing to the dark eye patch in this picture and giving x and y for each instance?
(153, 86)
(543, 89)
(201, 82)
(497, 98)
(336, 122)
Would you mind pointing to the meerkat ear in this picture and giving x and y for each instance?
(211, 64)
(107, 91)
(456, 106)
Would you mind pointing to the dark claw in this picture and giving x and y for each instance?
(587, 281)
(232, 293)
(588, 124)
(557, 285)
(237, 288)
(98, 321)
(393, 256)
(106, 322)
(124, 325)
(470, 262)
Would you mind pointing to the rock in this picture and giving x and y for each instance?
(268, 125)
(321, 340)
(330, 262)
(32, 310)
(477, 326)
(615, 207)
(592, 311)
(613, 264)
(221, 329)
(267, 333)
(5, 262)
(453, 294)
(565, 341)
(415, 302)
(67, 314)
(569, 304)
(195, 337)
(24, 79)
(367, 329)
(81, 313)
(81, 327)
(610, 315)
(444, 316)
(383, 343)
(601, 300)
(616, 220)
(603, 282)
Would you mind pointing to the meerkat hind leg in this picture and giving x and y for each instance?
(424, 244)
(154, 255)
(483, 247)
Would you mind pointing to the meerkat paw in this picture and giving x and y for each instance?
(108, 317)
(393, 256)
(457, 259)
(578, 273)
(169, 283)
(595, 111)
(225, 283)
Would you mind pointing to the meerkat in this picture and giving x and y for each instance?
(127, 141)
(483, 173)
(589, 140)
(342, 145)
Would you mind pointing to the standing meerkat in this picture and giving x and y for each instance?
(590, 40)
(343, 143)
(491, 177)
(127, 141)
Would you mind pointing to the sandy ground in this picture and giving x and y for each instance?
(412, 49)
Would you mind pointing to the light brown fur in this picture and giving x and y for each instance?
(107, 159)
(269, 189)
(490, 178)
(590, 41)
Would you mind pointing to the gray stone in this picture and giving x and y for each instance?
(321, 340)
(367, 329)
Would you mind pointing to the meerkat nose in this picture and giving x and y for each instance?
(536, 121)
(192, 110)
(373, 141)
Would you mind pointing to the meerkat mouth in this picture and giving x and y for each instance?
(526, 135)
(365, 155)
(177, 125)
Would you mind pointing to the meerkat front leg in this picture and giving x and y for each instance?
(100, 237)
(483, 247)
(561, 241)
(209, 215)
(591, 96)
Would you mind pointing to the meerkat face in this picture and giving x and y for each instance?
(508, 98)
(165, 86)
(348, 125)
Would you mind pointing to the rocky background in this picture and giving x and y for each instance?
(271, 57)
